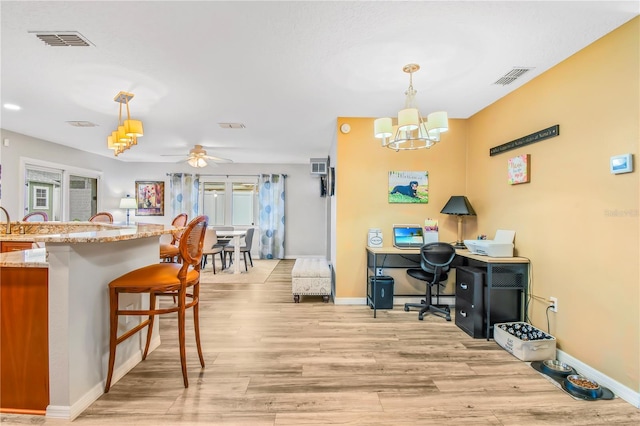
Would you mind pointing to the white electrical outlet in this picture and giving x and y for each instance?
(378, 272)
(553, 302)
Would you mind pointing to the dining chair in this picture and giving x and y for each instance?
(211, 247)
(169, 251)
(245, 249)
(104, 217)
(36, 217)
(181, 280)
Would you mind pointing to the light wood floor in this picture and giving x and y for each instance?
(272, 362)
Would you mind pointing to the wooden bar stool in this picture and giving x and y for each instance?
(169, 251)
(162, 279)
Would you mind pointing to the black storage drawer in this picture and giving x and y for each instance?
(469, 283)
(471, 302)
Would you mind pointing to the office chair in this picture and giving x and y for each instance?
(435, 259)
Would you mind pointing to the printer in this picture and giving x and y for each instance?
(500, 246)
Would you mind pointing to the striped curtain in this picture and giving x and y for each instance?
(183, 193)
(271, 190)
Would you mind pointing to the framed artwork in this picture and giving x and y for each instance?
(408, 187)
(150, 198)
(519, 169)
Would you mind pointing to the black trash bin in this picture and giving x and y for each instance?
(383, 297)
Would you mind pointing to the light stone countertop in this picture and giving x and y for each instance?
(83, 232)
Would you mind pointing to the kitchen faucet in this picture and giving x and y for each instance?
(6, 213)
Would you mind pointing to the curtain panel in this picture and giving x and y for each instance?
(183, 194)
(271, 190)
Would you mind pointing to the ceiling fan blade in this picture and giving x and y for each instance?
(217, 159)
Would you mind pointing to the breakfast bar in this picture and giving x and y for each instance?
(71, 287)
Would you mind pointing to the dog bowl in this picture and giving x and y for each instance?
(580, 385)
(553, 366)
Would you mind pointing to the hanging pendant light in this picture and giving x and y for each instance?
(412, 131)
(128, 131)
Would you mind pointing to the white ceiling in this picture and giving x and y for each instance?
(286, 70)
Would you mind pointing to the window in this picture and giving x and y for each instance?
(40, 198)
(229, 200)
(65, 193)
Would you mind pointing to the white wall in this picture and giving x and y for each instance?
(306, 221)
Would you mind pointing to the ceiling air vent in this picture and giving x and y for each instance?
(62, 38)
(511, 76)
(82, 124)
(232, 125)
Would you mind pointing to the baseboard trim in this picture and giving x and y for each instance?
(616, 387)
(71, 412)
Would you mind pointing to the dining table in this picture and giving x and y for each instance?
(236, 235)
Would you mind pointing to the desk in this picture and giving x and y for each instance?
(498, 268)
(236, 246)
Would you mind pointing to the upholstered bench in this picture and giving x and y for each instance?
(311, 277)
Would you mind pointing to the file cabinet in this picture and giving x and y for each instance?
(473, 297)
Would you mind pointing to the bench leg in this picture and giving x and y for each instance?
(325, 299)
(296, 298)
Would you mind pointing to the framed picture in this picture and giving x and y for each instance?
(150, 198)
(519, 169)
(408, 187)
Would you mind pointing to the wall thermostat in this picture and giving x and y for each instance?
(621, 164)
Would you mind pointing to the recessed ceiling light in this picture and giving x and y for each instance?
(12, 107)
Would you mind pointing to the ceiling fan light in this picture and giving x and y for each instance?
(133, 128)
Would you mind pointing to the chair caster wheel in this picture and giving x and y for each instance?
(448, 319)
(420, 317)
(406, 309)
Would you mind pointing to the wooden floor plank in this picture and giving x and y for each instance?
(270, 361)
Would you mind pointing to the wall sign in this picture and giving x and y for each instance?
(538, 136)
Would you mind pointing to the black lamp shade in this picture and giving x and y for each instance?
(458, 205)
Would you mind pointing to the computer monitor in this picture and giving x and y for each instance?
(408, 236)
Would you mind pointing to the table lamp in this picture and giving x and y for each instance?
(128, 203)
(458, 205)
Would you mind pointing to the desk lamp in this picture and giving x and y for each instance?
(128, 203)
(458, 205)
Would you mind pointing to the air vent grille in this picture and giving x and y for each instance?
(512, 76)
(82, 124)
(318, 166)
(232, 125)
(62, 38)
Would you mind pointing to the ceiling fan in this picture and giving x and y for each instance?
(198, 157)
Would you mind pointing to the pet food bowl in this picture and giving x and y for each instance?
(555, 367)
(583, 386)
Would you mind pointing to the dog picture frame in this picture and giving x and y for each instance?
(408, 187)
(150, 198)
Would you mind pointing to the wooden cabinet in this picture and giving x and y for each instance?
(6, 246)
(24, 341)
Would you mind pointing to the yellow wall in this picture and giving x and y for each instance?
(362, 179)
(577, 223)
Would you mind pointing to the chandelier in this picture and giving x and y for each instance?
(412, 130)
(128, 131)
